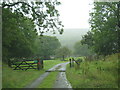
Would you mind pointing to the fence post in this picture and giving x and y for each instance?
(73, 62)
(41, 62)
(38, 64)
(70, 62)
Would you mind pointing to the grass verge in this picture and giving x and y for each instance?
(19, 79)
(95, 74)
(49, 80)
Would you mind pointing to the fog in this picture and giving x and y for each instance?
(69, 36)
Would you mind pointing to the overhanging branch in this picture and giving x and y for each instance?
(13, 4)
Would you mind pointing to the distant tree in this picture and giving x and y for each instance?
(47, 46)
(63, 52)
(82, 50)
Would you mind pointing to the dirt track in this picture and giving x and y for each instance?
(61, 81)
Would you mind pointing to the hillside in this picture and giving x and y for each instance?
(70, 36)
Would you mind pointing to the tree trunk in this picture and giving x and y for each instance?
(63, 57)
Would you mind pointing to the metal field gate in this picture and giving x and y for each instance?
(26, 64)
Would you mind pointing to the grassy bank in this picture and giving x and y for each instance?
(95, 74)
(19, 79)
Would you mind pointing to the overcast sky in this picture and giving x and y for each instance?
(75, 13)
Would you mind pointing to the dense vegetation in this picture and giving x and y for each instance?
(23, 26)
(47, 46)
(18, 37)
(105, 28)
(95, 74)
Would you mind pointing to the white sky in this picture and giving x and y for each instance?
(75, 13)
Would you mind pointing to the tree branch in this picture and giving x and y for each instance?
(13, 4)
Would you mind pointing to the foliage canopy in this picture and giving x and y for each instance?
(105, 27)
(22, 23)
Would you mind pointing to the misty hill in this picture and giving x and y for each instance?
(70, 36)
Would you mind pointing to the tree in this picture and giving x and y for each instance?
(81, 50)
(44, 14)
(47, 46)
(18, 38)
(88, 39)
(63, 52)
(104, 28)
(22, 21)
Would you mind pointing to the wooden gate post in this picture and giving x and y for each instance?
(38, 64)
(41, 62)
(70, 62)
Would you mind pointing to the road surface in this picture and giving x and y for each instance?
(61, 81)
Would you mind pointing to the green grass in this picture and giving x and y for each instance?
(47, 63)
(95, 74)
(19, 79)
(49, 80)
(50, 63)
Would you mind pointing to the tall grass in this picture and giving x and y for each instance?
(95, 74)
